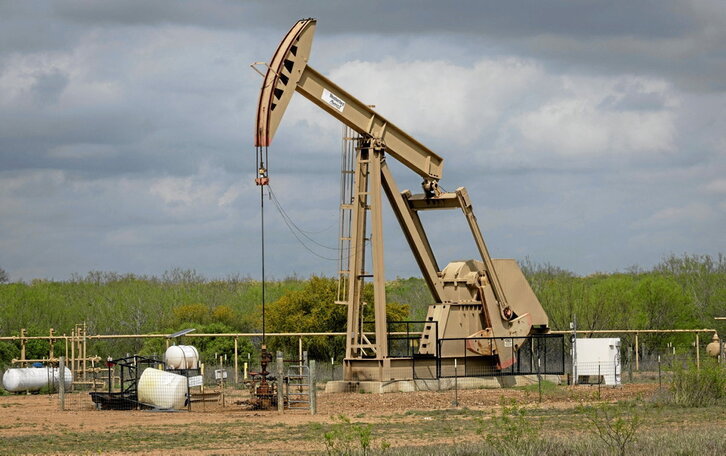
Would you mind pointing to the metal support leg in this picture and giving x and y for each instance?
(379, 281)
(357, 252)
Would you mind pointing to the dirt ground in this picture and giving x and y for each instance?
(25, 416)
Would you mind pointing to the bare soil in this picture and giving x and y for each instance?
(38, 416)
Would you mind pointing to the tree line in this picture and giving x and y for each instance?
(684, 292)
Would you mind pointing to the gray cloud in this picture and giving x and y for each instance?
(589, 134)
(679, 38)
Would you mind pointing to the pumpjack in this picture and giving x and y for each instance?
(475, 298)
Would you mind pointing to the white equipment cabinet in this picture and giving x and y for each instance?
(598, 357)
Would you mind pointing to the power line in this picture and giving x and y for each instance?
(287, 217)
(295, 229)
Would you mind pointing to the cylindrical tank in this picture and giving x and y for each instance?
(181, 357)
(714, 348)
(34, 378)
(162, 389)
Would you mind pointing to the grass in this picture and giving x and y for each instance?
(510, 428)
(698, 442)
(665, 430)
(693, 387)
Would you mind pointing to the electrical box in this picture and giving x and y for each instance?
(598, 360)
(220, 374)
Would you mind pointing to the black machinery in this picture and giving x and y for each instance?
(129, 372)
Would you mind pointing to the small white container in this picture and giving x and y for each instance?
(181, 357)
(162, 389)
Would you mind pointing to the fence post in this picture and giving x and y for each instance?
(660, 384)
(630, 363)
(456, 384)
(62, 382)
(280, 383)
(698, 355)
(313, 388)
(236, 366)
(539, 379)
(637, 354)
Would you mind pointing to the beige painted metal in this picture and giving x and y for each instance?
(365, 121)
(355, 345)
(470, 298)
(332, 333)
(637, 353)
(714, 347)
(236, 355)
(288, 71)
(491, 276)
(321, 334)
(698, 353)
(416, 236)
(284, 71)
(379, 280)
(22, 346)
(351, 141)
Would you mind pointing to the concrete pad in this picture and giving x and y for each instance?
(442, 384)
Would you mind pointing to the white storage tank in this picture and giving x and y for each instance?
(599, 357)
(181, 357)
(162, 389)
(34, 378)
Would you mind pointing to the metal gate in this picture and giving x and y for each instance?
(537, 354)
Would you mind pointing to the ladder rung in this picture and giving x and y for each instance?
(344, 303)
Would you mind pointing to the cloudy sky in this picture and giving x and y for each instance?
(591, 135)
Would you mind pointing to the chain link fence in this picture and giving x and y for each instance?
(222, 382)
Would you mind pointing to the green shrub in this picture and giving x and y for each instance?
(348, 438)
(692, 387)
(512, 430)
(616, 426)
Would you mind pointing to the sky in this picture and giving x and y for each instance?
(590, 135)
